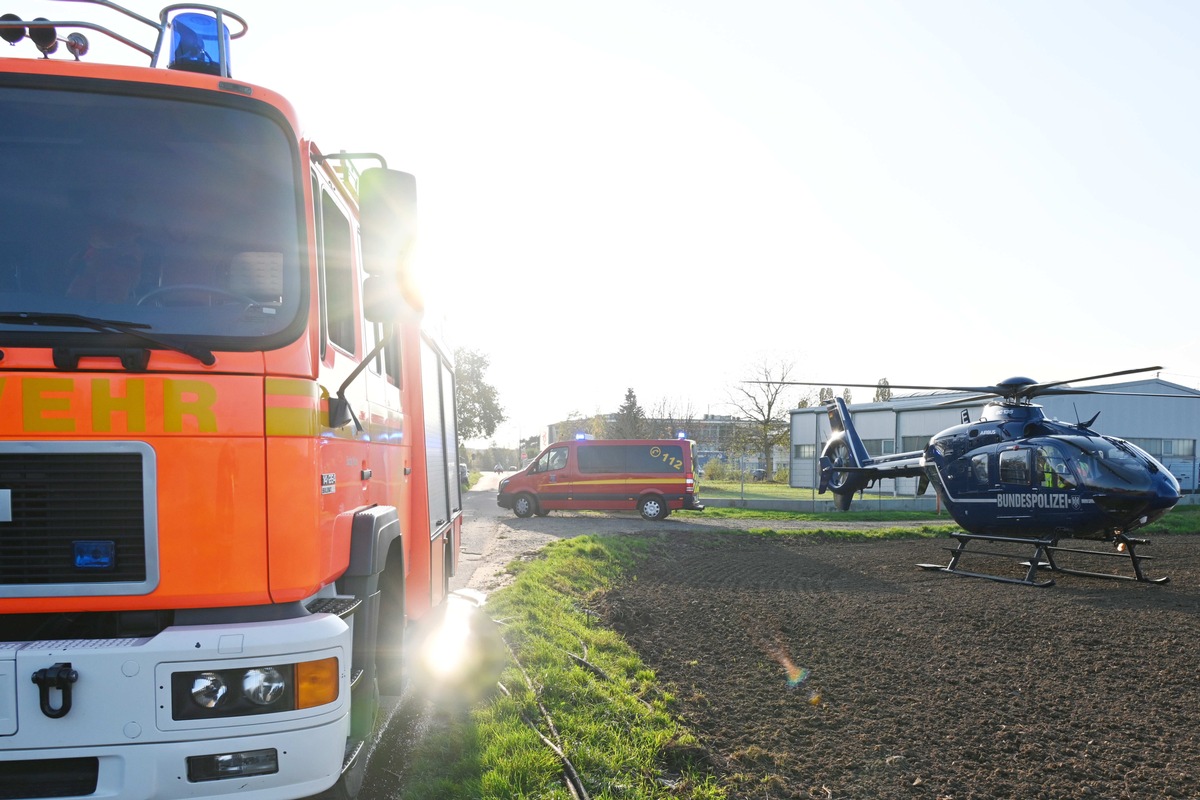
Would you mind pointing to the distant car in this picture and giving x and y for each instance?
(464, 475)
(758, 474)
(512, 469)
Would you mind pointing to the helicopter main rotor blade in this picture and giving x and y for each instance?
(1052, 392)
(1014, 388)
(1039, 388)
(829, 384)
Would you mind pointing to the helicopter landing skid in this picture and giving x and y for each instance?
(1043, 558)
(1126, 546)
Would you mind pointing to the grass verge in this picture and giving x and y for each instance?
(610, 717)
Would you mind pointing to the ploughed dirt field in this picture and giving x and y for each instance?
(821, 668)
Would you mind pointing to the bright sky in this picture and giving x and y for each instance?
(660, 194)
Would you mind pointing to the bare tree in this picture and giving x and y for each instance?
(667, 419)
(762, 400)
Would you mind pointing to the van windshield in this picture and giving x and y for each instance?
(183, 218)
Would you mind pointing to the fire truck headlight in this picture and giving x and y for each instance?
(263, 686)
(45, 37)
(11, 35)
(264, 689)
(208, 689)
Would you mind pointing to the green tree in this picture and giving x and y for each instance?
(531, 446)
(825, 395)
(479, 411)
(883, 392)
(630, 422)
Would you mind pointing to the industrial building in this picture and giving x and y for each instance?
(1165, 427)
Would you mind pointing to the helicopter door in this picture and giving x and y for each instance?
(1015, 500)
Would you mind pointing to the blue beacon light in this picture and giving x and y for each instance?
(195, 45)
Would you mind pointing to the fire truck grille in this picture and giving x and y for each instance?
(72, 518)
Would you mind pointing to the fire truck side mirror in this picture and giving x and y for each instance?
(382, 299)
(388, 214)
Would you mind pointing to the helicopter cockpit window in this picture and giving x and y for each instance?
(1051, 470)
(1014, 467)
(1104, 465)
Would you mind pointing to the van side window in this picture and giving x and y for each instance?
(656, 458)
(603, 458)
(552, 459)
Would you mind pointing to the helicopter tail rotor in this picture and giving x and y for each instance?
(844, 457)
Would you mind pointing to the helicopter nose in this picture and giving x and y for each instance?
(1168, 488)
(1163, 497)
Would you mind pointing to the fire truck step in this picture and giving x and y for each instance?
(342, 606)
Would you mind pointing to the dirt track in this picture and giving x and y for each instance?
(908, 683)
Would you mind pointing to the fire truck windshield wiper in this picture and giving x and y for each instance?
(135, 329)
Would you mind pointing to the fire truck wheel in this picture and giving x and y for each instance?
(653, 508)
(524, 505)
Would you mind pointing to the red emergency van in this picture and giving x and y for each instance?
(653, 476)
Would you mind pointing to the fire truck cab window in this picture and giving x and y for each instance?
(338, 274)
(181, 217)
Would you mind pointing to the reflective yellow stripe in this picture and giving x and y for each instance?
(293, 407)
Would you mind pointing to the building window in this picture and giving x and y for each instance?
(879, 447)
(802, 451)
(1168, 448)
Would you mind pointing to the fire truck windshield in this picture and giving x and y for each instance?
(182, 218)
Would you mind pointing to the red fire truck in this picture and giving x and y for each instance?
(228, 458)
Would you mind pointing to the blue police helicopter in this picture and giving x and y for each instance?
(1018, 479)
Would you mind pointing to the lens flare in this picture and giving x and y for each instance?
(795, 675)
(445, 652)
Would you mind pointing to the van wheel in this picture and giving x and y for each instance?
(524, 505)
(653, 508)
